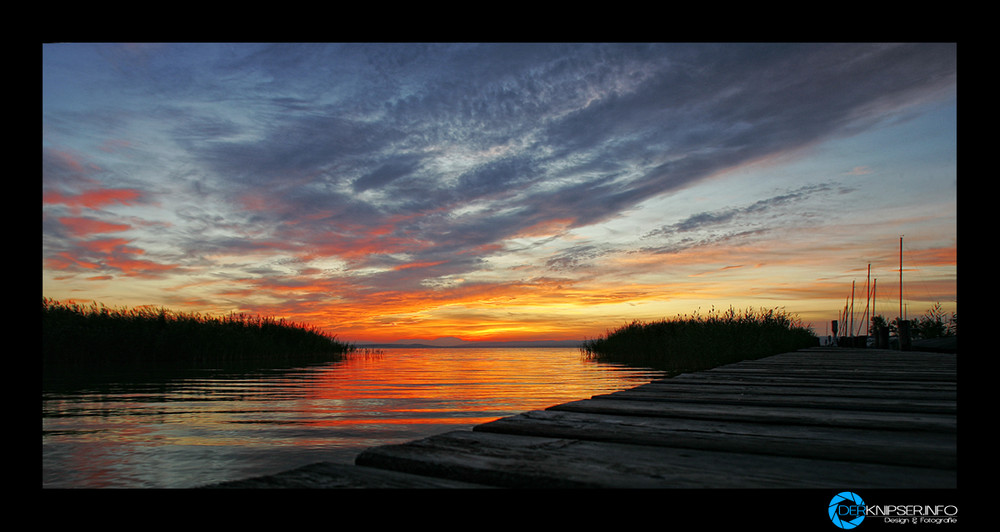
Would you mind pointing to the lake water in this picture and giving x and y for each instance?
(201, 427)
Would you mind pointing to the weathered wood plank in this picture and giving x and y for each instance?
(852, 374)
(911, 448)
(847, 365)
(766, 414)
(514, 461)
(864, 356)
(778, 400)
(850, 380)
(776, 379)
(668, 387)
(859, 366)
(861, 359)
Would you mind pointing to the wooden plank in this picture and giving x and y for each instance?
(765, 414)
(515, 461)
(868, 357)
(776, 379)
(778, 400)
(844, 373)
(858, 368)
(911, 382)
(847, 365)
(668, 387)
(911, 448)
(865, 354)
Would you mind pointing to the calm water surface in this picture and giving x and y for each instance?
(208, 426)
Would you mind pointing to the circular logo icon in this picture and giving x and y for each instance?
(847, 510)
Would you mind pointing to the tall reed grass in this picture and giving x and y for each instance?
(95, 336)
(691, 343)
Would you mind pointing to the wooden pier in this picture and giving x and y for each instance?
(816, 418)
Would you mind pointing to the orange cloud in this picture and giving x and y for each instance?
(546, 228)
(419, 265)
(94, 199)
(110, 253)
(86, 226)
(137, 268)
(64, 261)
(360, 246)
(110, 245)
(931, 257)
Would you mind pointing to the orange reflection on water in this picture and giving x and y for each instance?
(181, 432)
(456, 386)
(487, 373)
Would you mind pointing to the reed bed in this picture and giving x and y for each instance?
(97, 336)
(697, 342)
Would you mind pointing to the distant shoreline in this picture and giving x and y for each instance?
(462, 344)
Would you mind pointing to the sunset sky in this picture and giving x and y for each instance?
(498, 191)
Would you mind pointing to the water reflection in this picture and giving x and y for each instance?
(197, 427)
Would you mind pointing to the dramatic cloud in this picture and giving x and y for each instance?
(276, 177)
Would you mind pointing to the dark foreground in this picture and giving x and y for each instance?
(815, 418)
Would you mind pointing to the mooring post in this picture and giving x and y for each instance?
(883, 337)
(904, 335)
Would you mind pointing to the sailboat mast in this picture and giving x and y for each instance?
(901, 278)
(852, 308)
(843, 316)
(868, 298)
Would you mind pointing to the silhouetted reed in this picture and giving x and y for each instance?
(98, 336)
(691, 343)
